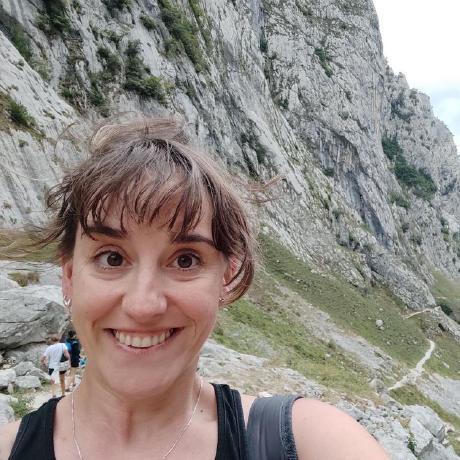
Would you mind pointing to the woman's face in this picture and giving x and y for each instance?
(142, 303)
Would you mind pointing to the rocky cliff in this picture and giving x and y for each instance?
(369, 197)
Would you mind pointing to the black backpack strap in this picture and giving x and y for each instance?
(269, 429)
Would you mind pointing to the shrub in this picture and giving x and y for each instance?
(117, 4)
(20, 115)
(391, 148)
(399, 200)
(445, 307)
(325, 60)
(419, 180)
(16, 34)
(329, 172)
(23, 405)
(113, 36)
(147, 86)
(183, 30)
(149, 23)
(405, 227)
(56, 19)
(112, 64)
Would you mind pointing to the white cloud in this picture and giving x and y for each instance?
(420, 40)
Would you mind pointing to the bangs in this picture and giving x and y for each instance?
(148, 184)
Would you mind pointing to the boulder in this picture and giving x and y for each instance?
(6, 413)
(27, 382)
(421, 437)
(6, 377)
(43, 376)
(429, 419)
(31, 352)
(30, 314)
(23, 368)
(439, 452)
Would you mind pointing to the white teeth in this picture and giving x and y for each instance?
(141, 341)
(146, 342)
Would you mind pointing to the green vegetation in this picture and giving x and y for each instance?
(411, 444)
(325, 60)
(149, 22)
(117, 4)
(55, 19)
(24, 278)
(200, 18)
(399, 200)
(329, 172)
(447, 294)
(410, 395)
(252, 141)
(183, 31)
(19, 115)
(447, 353)
(349, 307)
(136, 80)
(391, 147)
(24, 404)
(113, 36)
(265, 328)
(418, 180)
(111, 63)
(16, 34)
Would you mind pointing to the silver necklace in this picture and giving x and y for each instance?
(174, 444)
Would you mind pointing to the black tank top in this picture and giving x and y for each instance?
(34, 440)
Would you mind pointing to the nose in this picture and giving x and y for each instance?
(144, 297)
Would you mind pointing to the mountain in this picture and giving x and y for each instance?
(363, 227)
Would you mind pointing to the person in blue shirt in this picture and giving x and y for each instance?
(73, 346)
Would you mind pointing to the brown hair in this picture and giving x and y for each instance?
(143, 166)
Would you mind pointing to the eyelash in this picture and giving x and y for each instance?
(194, 256)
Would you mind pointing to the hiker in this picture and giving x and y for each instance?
(55, 354)
(153, 240)
(73, 347)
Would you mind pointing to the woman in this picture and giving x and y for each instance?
(153, 240)
(73, 347)
(53, 356)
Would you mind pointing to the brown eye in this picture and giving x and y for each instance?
(110, 259)
(185, 261)
(114, 259)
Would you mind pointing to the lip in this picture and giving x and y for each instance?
(128, 348)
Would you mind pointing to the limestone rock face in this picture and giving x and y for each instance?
(29, 315)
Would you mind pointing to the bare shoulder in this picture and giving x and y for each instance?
(323, 431)
(7, 436)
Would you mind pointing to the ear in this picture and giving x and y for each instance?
(67, 274)
(232, 269)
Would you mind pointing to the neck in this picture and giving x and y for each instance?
(135, 416)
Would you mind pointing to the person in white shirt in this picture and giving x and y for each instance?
(52, 356)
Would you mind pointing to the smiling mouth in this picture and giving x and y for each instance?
(134, 340)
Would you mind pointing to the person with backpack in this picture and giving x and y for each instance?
(73, 347)
(55, 354)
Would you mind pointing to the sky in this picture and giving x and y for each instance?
(421, 40)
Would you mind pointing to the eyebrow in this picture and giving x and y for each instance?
(121, 234)
(105, 230)
(193, 238)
